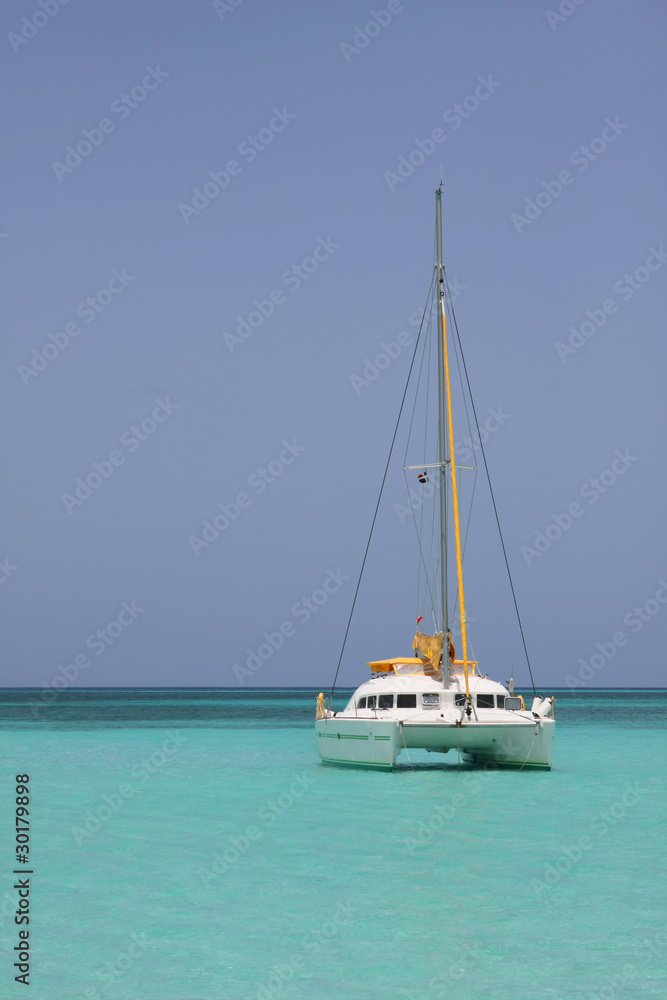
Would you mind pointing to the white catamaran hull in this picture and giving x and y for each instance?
(378, 742)
(366, 742)
(528, 744)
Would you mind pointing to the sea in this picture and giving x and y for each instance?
(188, 844)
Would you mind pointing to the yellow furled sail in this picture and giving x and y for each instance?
(429, 646)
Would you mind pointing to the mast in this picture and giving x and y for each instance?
(446, 428)
(442, 428)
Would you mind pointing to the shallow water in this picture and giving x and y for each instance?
(202, 823)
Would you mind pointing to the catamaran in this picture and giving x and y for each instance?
(433, 699)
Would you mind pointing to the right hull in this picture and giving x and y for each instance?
(523, 744)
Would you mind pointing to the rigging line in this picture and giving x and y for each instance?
(449, 305)
(465, 405)
(377, 506)
(409, 438)
(537, 729)
(434, 576)
(421, 554)
(429, 368)
(427, 342)
(438, 480)
(436, 570)
(448, 302)
(493, 498)
(465, 537)
(421, 366)
(420, 529)
(434, 549)
(427, 410)
(434, 544)
(472, 497)
(400, 729)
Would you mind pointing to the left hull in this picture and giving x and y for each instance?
(361, 742)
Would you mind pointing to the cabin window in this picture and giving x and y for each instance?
(406, 701)
(500, 700)
(459, 700)
(513, 704)
(486, 701)
(361, 703)
(371, 701)
(430, 700)
(385, 701)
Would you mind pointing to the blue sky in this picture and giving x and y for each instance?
(515, 94)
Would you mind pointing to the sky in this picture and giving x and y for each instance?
(213, 216)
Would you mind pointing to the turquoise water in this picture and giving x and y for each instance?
(222, 861)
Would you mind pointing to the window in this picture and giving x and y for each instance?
(361, 703)
(371, 701)
(513, 704)
(430, 700)
(486, 701)
(459, 700)
(385, 701)
(500, 700)
(406, 701)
